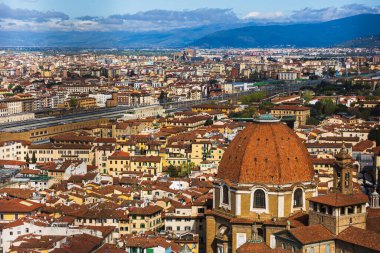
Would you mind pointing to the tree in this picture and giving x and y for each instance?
(312, 121)
(307, 95)
(266, 106)
(27, 159)
(215, 118)
(209, 122)
(163, 97)
(374, 135)
(34, 159)
(73, 102)
(186, 169)
(18, 89)
(254, 97)
(325, 107)
(331, 72)
(172, 171)
(248, 112)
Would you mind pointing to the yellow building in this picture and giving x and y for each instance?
(212, 107)
(147, 164)
(200, 151)
(50, 152)
(118, 163)
(13, 209)
(144, 219)
(301, 113)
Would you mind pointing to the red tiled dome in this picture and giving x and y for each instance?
(266, 153)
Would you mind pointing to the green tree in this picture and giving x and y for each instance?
(266, 106)
(312, 121)
(73, 102)
(172, 171)
(209, 122)
(18, 89)
(34, 159)
(374, 135)
(163, 97)
(331, 72)
(328, 107)
(307, 95)
(27, 159)
(254, 97)
(186, 169)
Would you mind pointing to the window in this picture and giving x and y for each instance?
(225, 196)
(298, 198)
(347, 179)
(359, 209)
(259, 199)
(312, 250)
(328, 248)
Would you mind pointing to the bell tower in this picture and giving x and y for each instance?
(343, 171)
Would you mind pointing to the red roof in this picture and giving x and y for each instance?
(340, 199)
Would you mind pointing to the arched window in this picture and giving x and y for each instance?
(298, 198)
(226, 199)
(259, 199)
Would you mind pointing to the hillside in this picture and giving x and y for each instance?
(362, 42)
(298, 35)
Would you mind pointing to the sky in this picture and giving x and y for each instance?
(146, 15)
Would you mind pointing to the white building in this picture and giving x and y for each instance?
(14, 150)
(101, 99)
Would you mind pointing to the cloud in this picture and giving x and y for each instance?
(255, 15)
(326, 14)
(204, 15)
(87, 18)
(166, 19)
(7, 12)
(17, 19)
(310, 15)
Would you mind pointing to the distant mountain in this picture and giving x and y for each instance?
(112, 39)
(238, 35)
(298, 35)
(362, 42)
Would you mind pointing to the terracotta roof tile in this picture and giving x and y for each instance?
(266, 153)
(340, 199)
(365, 238)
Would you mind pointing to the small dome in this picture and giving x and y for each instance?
(266, 152)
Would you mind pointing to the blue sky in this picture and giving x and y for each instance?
(136, 15)
(241, 7)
